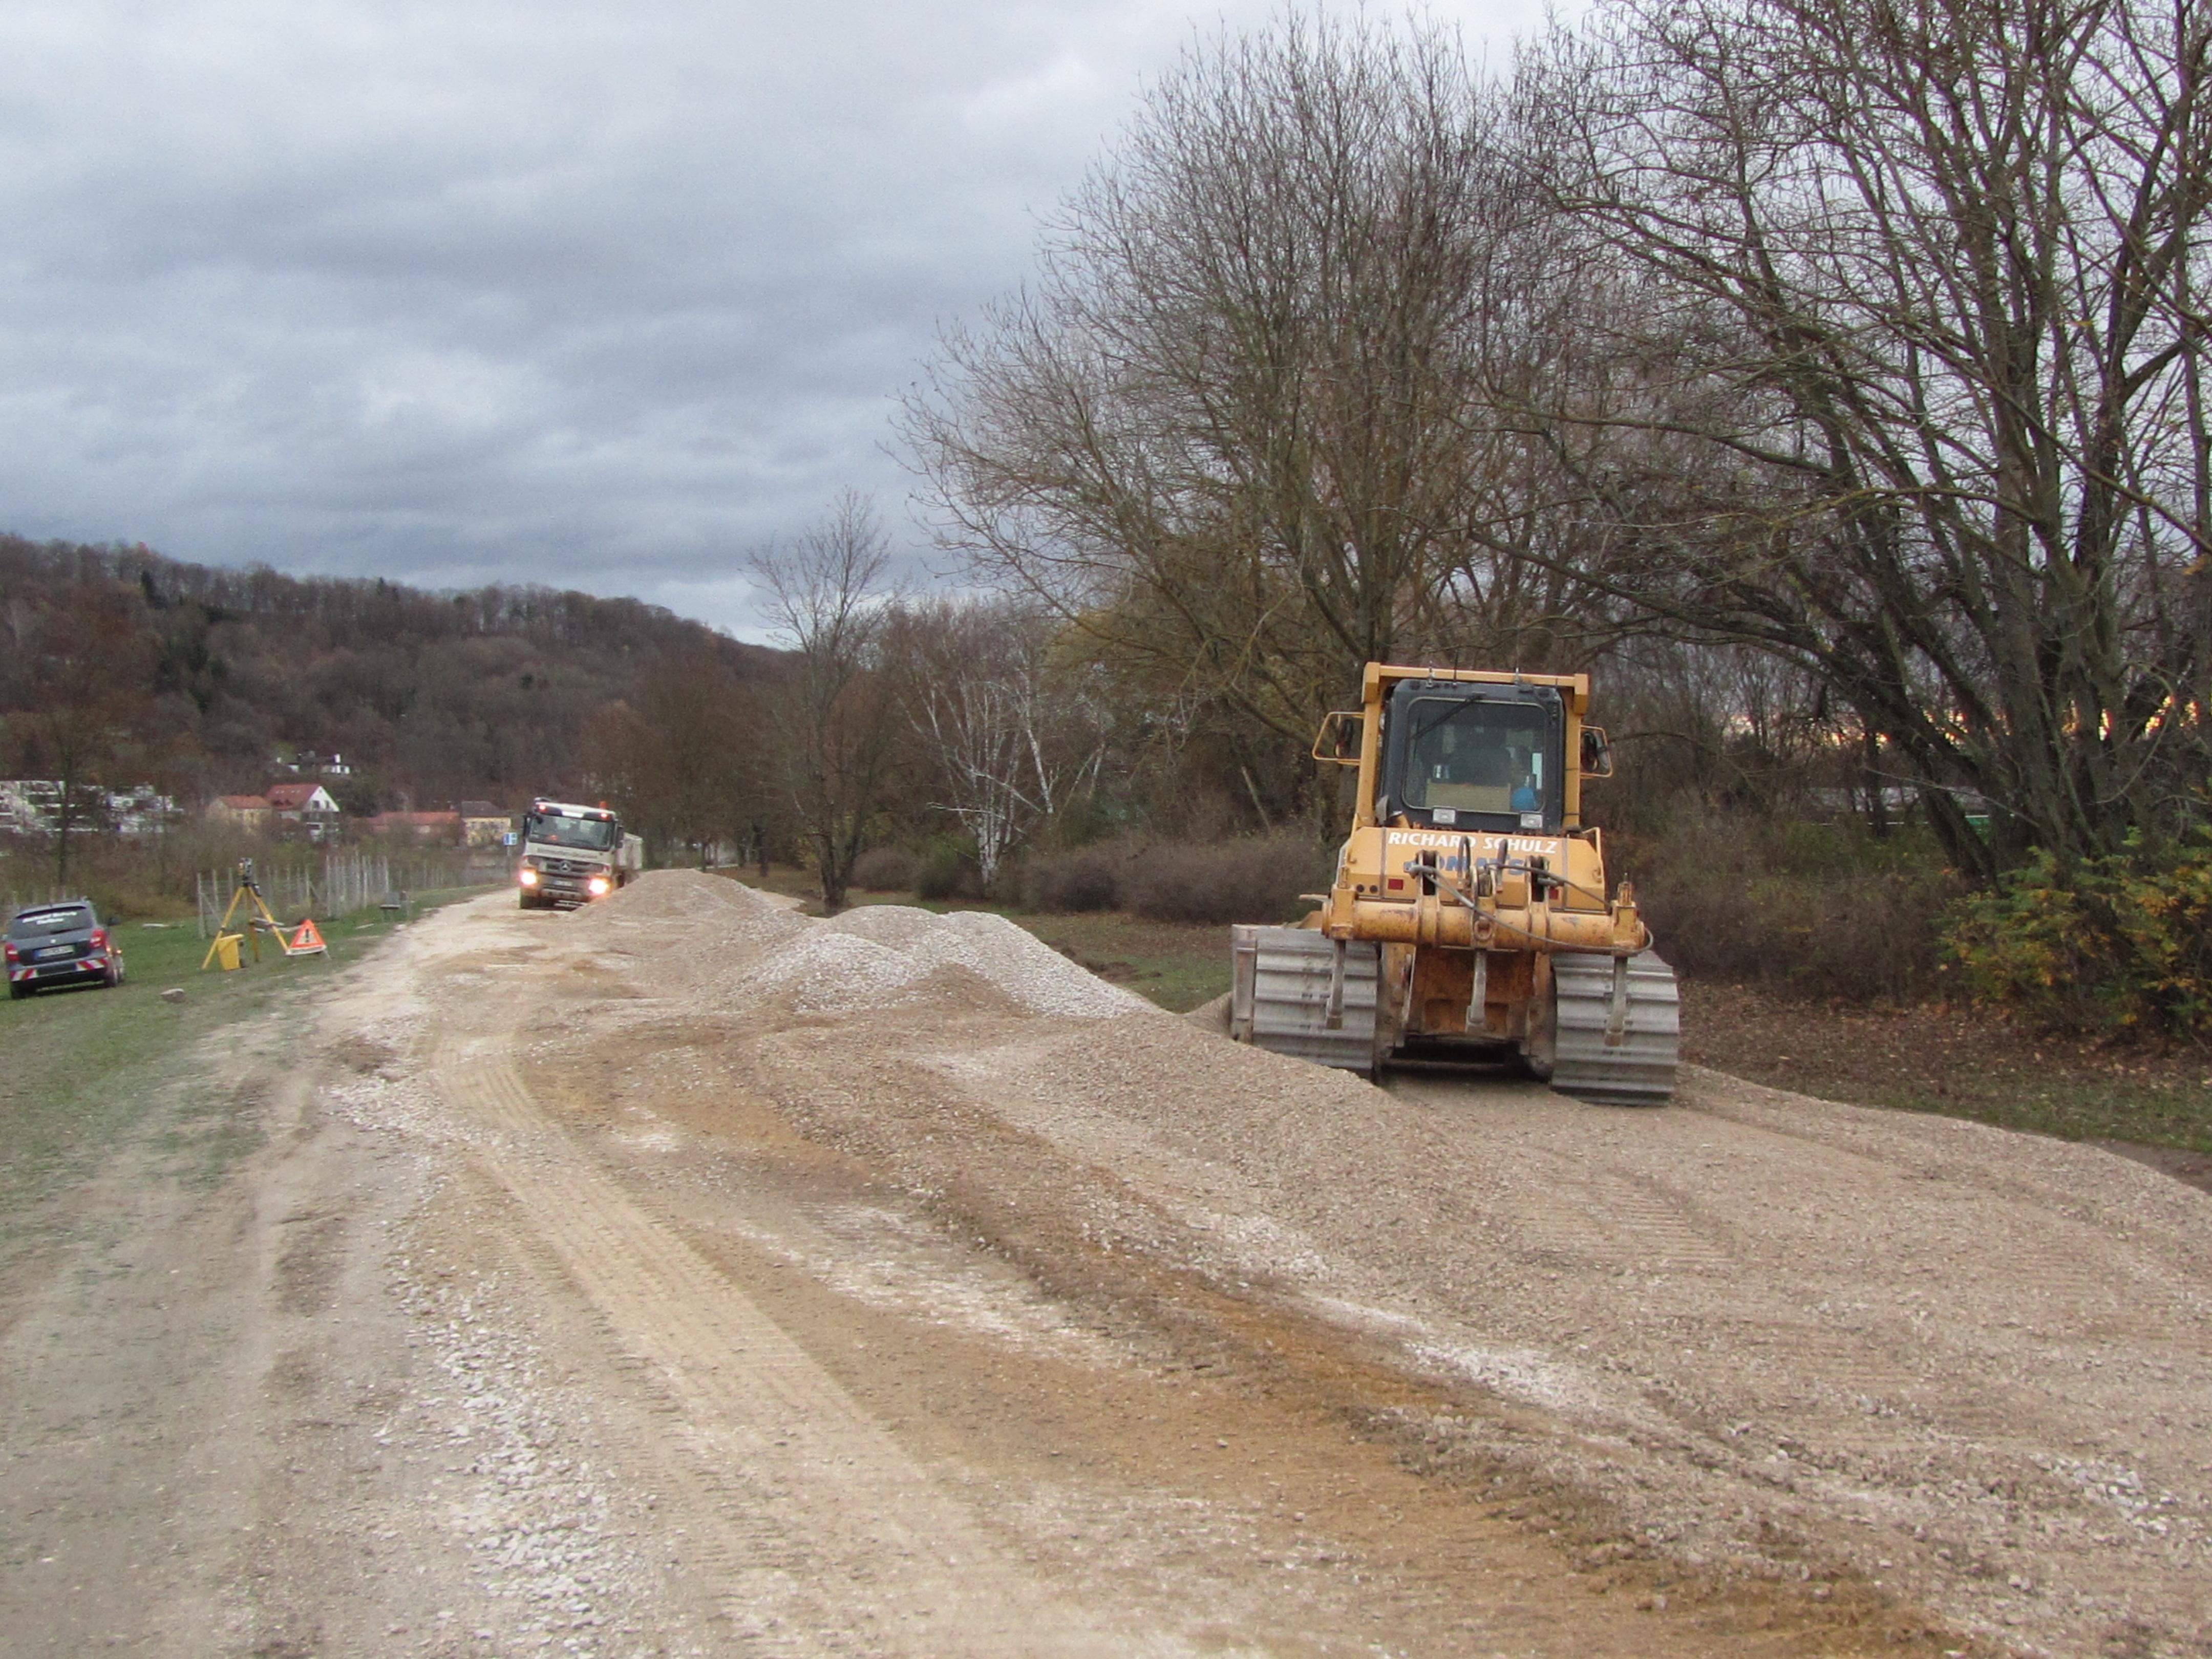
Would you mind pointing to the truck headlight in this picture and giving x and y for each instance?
(527, 877)
(598, 884)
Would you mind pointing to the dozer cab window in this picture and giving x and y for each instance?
(1490, 762)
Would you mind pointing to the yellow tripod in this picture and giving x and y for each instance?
(257, 918)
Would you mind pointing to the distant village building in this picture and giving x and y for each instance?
(485, 824)
(32, 806)
(443, 826)
(299, 761)
(251, 813)
(308, 805)
(23, 804)
(139, 811)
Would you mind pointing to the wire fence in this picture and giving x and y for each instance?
(344, 883)
(295, 882)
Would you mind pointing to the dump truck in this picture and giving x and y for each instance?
(1469, 919)
(573, 854)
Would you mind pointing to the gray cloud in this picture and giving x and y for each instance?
(586, 293)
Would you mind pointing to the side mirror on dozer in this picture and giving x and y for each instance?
(1338, 740)
(1597, 753)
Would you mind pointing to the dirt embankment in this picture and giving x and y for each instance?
(686, 1276)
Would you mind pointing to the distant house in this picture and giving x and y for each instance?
(308, 805)
(139, 811)
(32, 806)
(416, 826)
(483, 823)
(251, 813)
(298, 760)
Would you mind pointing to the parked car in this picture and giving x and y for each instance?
(60, 943)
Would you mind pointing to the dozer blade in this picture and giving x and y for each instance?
(1617, 1051)
(1291, 997)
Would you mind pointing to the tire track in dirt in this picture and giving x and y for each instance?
(816, 1494)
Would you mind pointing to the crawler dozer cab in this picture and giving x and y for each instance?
(1470, 917)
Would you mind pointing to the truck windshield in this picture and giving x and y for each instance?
(558, 830)
(1472, 754)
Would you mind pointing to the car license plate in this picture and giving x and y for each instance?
(59, 950)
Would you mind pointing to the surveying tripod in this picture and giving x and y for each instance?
(258, 919)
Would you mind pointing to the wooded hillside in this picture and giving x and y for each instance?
(141, 667)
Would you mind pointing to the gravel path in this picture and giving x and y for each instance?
(1766, 1331)
(683, 1276)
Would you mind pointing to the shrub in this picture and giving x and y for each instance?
(1086, 878)
(1809, 909)
(948, 871)
(1255, 880)
(887, 870)
(2122, 943)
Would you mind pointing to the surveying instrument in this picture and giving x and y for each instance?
(305, 941)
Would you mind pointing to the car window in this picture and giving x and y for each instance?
(33, 923)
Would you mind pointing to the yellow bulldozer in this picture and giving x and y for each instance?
(1469, 919)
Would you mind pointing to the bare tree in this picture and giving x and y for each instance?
(824, 594)
(1234, 424)
(682, 756)
(1901, 373)
(1007, 740)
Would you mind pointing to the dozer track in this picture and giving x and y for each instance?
(1285, 981)
(1636, 1066)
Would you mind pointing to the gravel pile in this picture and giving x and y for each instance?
(731, 946)
(661, 899)
(883, 955)
(686, 931)
(823, 972)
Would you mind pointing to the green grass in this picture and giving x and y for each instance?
(1177, 965)
(2074, 1111)
(1957, 1061)
(83, 1073)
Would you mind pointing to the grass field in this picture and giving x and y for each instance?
(1960, 1062)
(82, 1071)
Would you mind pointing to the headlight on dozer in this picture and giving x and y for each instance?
(527, 877)
(596, 885)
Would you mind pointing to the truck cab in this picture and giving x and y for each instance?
(572, 854)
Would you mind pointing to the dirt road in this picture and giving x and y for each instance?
(683, 1277)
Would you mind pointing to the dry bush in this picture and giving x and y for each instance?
(1083, 878)
(948, 870)
(1816, 911)
(887, 870)
(1258, 878)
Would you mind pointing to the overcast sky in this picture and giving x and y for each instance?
(595, 295)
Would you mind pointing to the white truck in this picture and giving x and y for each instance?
(573, 854)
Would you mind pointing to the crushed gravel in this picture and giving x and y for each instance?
(1767, 1330)
(743, 948)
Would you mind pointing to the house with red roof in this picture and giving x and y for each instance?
(308, 806)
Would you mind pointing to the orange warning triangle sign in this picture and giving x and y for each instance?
(305, 938)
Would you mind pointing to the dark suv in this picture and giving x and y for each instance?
(60, 943)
